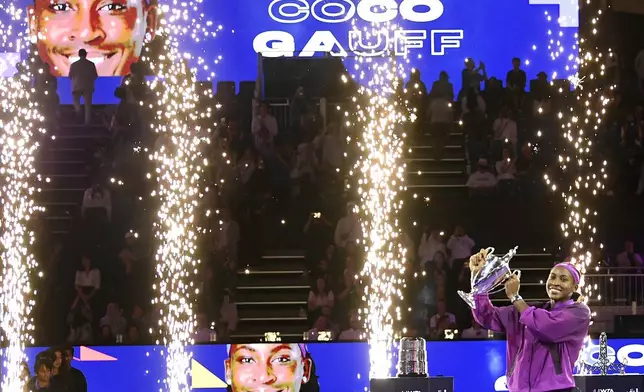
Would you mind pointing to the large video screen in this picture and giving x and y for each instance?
(475, 365)
(436, 35)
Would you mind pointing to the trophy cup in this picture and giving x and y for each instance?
(413, 374)
(412, 358)
(493, 274)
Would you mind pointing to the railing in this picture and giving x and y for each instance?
(617, 289)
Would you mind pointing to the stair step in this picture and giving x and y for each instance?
(53, 195)
(63, 154)
(426, 181)
(68, 181)
(277, 297)
(272, 280)
(46, 168)
(80, 141)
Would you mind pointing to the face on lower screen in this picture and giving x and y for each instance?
(267, 367)
(111, 31)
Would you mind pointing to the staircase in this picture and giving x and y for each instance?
(427, 175)
(61, 163)
(272, 297)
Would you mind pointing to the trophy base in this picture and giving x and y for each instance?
(611, 382)
(468, 298)
(419, 384)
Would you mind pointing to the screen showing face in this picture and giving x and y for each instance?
(224, 41)
(112, 32)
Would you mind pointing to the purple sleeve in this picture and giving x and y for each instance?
(496, 319)
(557, 326)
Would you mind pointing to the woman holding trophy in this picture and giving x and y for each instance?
(543, 340)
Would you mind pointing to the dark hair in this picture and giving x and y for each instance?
(575, 296)
(82, 53)
(43, 360)
(516, 59)
(67, 347)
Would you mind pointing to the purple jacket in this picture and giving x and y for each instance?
(542, 344)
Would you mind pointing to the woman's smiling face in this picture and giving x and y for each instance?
(111, 31)
(266, 367)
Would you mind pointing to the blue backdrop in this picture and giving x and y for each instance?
(475, 365)
(446, 32)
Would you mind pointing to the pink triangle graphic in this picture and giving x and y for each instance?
(88, 354)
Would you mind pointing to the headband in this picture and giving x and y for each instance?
(573, 271)
(302, 347)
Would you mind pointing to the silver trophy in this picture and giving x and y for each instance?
(412, 358)
(493, 274)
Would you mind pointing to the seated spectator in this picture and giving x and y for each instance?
(332, 146)
(131, 252)
(228, 316)
(114, 320)
(204, 332)
(318, 233)
(306, 163)
(505, 129)
(264, 130)
(355, 331)
(460, 246)
(105, 337)
(441, 321)
(322, 271)
(80, 326)
(97, 197)
(323, 326)
(629, 259)
(482, 182)
(320, 296)
(133, 335)
(138, 319)
(475, 332)
(523, 161)
(87, 283)
(431, 242)
(506, 167)
(227, 239)
(348, 228)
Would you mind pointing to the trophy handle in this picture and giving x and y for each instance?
(517, 273)
(488, 251)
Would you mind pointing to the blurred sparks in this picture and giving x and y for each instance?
(379, 118)
(20, 122)
(582, 173)
(179, 164)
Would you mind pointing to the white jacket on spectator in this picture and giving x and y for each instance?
(347, 230)
(264, 130)
(481, 179)
(428, 247)
(90, 202)
(505, 129)
(460, 247)
(505, 170)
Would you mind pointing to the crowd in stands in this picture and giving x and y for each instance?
(102, 279)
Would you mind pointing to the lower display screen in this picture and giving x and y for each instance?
(475, 365)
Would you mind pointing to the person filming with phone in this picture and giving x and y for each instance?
(543, 340)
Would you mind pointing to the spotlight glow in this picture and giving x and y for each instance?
(380, 170)
(179, 163)
(19, 123)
